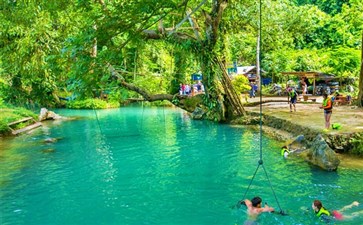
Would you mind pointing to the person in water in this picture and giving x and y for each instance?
(254, 209)
(285, 151)
(326, 215)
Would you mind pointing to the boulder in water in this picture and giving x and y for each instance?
(320, 154)
(48, 115)
(298, 144)
(198, 113)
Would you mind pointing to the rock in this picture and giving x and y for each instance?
(50, 140)
(48, 150)
(298, 145)
(198, 113)
(320, 154)
(48, 115)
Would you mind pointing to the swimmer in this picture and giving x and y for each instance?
(326, 216)
(254, 209)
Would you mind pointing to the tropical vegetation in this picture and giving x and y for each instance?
(56, 52)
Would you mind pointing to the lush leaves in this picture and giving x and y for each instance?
(51, 47)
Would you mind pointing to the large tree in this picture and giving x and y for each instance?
(153, 46)
(191, 28)
(360, 93)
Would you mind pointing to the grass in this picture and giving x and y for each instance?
(9, 114)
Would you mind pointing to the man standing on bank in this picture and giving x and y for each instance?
(328, 110)
(292, 98)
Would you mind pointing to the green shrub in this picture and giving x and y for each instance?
(241, 84)
(9, 114)
(192, 102)
(87, 104)
(4, 129)
(357, 142)
(114, 104)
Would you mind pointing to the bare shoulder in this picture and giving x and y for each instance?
(248, 203)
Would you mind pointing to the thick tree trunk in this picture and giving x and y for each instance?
(219, 101)
(360, 93)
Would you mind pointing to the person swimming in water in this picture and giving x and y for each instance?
(254, 209)
(327, 216)
(285, 151)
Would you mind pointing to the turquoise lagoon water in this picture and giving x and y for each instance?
(149, 166)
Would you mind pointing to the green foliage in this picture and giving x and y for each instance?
(45, 46)
(87, 104)
(241, 84)
(115, 96)
(4, 127)
(1, 102)
(328, 6)
(191, 103)
(9, 114)
(344, 62)
(357, 142)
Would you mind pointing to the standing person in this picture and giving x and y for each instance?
(307, 83)
(303, 86)
(328, 110)
(183, 89)
(292, 98)
(255, 89)
(254, 209)
(252, 91)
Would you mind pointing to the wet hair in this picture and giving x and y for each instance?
(255, 201)
(318, 204)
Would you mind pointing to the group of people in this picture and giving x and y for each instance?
(327, 104)
(193, 89)
(254, 208)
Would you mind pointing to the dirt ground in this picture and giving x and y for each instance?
(309, 114)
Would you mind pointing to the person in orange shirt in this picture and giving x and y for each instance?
(328, 110)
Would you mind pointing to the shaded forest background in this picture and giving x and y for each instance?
(79, 49)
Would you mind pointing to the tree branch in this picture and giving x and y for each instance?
(217, 12)
(177, 100)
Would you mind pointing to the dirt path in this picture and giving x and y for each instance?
(309, 114)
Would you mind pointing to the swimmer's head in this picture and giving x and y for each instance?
(256, 202)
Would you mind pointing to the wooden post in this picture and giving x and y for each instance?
(314, 86)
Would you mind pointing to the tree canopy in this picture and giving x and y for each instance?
(52, 49)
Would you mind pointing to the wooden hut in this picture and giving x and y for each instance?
(312, 75)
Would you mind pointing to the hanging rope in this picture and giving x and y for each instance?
(260, 161)
(98, 121)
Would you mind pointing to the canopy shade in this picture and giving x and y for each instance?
(312, 75)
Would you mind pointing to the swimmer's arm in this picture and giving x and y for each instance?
(267, 209)
(248, 203)
(355, 203)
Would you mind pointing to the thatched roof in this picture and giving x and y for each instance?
(312, 74)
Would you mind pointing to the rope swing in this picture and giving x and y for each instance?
(260, 161)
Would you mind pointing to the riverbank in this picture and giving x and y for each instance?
(308, 120)
(10, 114)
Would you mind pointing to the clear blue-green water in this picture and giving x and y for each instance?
(149, 166)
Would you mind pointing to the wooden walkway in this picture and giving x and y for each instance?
(35, 124)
